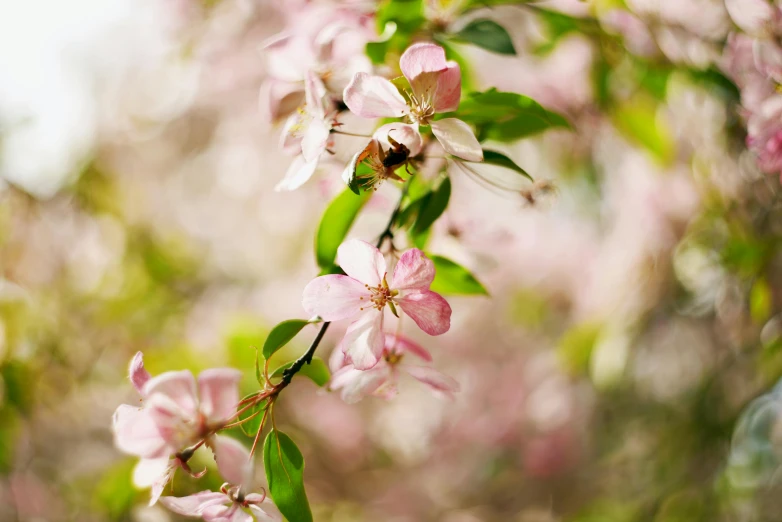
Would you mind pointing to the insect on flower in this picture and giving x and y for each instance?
(384, 154)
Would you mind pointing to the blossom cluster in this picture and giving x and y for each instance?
(754, 61)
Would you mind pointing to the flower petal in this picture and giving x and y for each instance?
(414, 271)
(279, 98)
(180, 387)
(432, 378)
(449, 88)
(457, 138)
(137, 433)
(429, 310)
(374, 97)
(266, 511)
(233, 460)
(314, 93)
(195, 504)
(399, 344)
(138, 374)
(219, 392)
(334, 297)
(315, 139)
(404, 133)
(361, 261)
(357, 384)
(422, 58)
(363, 341)
(148, 471)
(298, 173)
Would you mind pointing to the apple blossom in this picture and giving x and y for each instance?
(177, 415)
(365, 291)
(436, 86)
(306, 134)
(235, 464)
(382, 379)
(325, 40)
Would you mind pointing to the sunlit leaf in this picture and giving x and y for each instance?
(488, 35)
(492, 157)
(316, 370)
(281, 335)
(453, 279)
(284, 466)
(335, 225)
(507, 116)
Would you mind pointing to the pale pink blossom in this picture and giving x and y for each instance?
(764, 135)
(436, 87)
(382, 379)
(366, 290)
(235, 464)
(176, 414)
(306, 134)
(328, 41)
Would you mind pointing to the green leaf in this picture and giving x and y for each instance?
(492, 157)
(488, 35)
(432, 207)
(281, 335)
(284, 466)
(507, 116)
(316, 370)
(335, 225)
(452, 278)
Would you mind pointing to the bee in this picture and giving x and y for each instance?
(396, 156)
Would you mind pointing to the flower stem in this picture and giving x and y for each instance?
(306, 358)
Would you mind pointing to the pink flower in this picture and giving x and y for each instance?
(764, 137)
(306, 133)
(223, 506)
(365, 291)
(326, 40)
(381, 380)
(176, 414)
(436, 86)
(235, 465)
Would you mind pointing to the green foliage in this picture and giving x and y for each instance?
(453, 279)
(488, 35)
(335, 225)
(761, 301)
(282, 334)
(492, 157)
(18, 380)
(507, 116)
(316, 370)
(637, 119)
(115, 493)
(430, 208)
(284, 465)
(575, 347)
(402, 18)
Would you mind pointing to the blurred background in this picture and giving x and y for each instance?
(622, 370)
